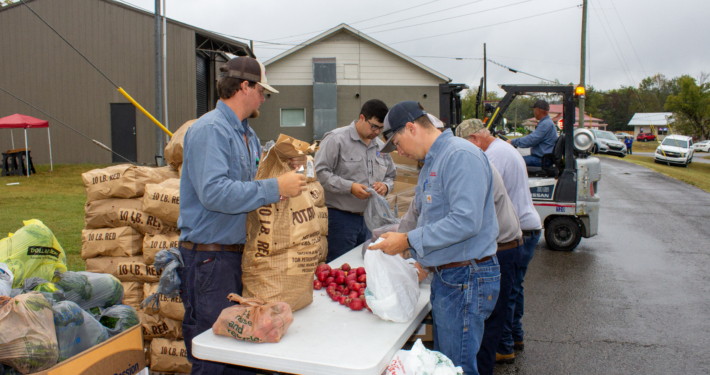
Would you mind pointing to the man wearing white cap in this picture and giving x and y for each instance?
(217, 190)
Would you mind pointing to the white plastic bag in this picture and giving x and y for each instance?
(421, 361)
(392, 289)
(5, 280)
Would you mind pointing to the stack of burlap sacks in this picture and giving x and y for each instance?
(131, 214)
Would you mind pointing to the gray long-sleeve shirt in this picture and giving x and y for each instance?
(344, 159)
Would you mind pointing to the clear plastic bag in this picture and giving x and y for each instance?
(421, 361)
(117, 318)
(5, 280)
(166, 261)
(76, 329)
(392, 289)
(89, 289)
(50, 291)
(28, 342)
(378, 213)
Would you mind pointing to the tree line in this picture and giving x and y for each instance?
(688, 98)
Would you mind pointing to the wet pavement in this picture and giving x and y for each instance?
(635, 299)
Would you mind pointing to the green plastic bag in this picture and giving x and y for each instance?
(32, 251)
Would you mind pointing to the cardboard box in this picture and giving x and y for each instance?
(402, 160)
(123, 354)
(400, 187)
(424, 332)
(407, 174)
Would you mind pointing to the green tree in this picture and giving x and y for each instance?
(7, 2)
(691, 107)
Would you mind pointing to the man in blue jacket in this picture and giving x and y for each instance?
(217, 190)
(542, 140)
(629, 141)
(456, 230)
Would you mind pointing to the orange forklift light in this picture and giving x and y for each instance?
(579, 91)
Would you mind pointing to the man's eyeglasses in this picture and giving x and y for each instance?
(375, 128)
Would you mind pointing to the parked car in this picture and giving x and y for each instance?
(675, 149)
(514, 134)
(645, 137)
(622, 136)
(607, 143)
(703, 146)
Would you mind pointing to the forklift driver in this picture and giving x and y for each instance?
(542, 140)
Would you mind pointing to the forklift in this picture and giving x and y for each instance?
(565, 188)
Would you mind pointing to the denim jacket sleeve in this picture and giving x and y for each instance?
(210, 168)
(466, 194)
(533, 138)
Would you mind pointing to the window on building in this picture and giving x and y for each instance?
(350, 71)
(292, 117)
(662, 131)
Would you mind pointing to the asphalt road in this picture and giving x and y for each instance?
(635, 299)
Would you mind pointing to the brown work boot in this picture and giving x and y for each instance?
(505, 358)
(520, 345)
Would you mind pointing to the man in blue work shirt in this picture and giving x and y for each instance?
(542, 140)
(629, 142)
(217, 190)
(456, 230)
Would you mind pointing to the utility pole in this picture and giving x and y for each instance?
(158, 88)
(485, 75)
(583, 64)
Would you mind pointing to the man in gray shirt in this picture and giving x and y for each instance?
(349, 161)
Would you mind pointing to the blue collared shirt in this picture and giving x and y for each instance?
(454, 196)
(541, 141)
(217, 187)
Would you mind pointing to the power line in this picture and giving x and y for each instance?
(450, 18)
(352, 23)
(481, 27)
(76, 131)
(423, 15)
(491, 61)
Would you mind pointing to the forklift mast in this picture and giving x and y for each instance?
(568, 110)
(450, 103)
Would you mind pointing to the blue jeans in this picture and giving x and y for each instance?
(486, 356)
(461, 299)
(513, 330)
(345, 231)
(206, 280)
(532, 161)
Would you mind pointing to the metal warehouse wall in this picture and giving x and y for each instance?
(39, 67)
(268, 125)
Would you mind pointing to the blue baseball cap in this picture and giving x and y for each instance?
(397, 117)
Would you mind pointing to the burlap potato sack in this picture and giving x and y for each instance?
(171, 308)
(132, 294)
(125, 268)
(282, 249)
(163, 201)
(113, 213)
(112, 242)
(173, 151)
(152, 243)
(157, 326)
(119, 181)
(169, 356)
(167, 172)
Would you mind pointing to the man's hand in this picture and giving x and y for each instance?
(297, 162)
(510, 141)
(359, 191)
(380, 188)
(393, 244)
(422, 272)
(291, 184)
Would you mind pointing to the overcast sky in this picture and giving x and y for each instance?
(627, 40)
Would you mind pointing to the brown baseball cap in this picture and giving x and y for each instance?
(248, 69)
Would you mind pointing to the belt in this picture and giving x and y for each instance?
(509, 245)
(534, 232)
(350, 212)
(464, 263)
(211, 246)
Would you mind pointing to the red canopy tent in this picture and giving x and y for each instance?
(18, 121)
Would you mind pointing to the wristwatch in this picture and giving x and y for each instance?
(406, 235)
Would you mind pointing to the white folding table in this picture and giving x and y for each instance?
(325, 338)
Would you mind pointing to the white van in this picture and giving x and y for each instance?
(675, 149)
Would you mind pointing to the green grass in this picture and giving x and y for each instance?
(696, 174)
(56, 198)
(706, 157)
(649, 146)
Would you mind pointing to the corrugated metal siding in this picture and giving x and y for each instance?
(40, 68)
(377, 66)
